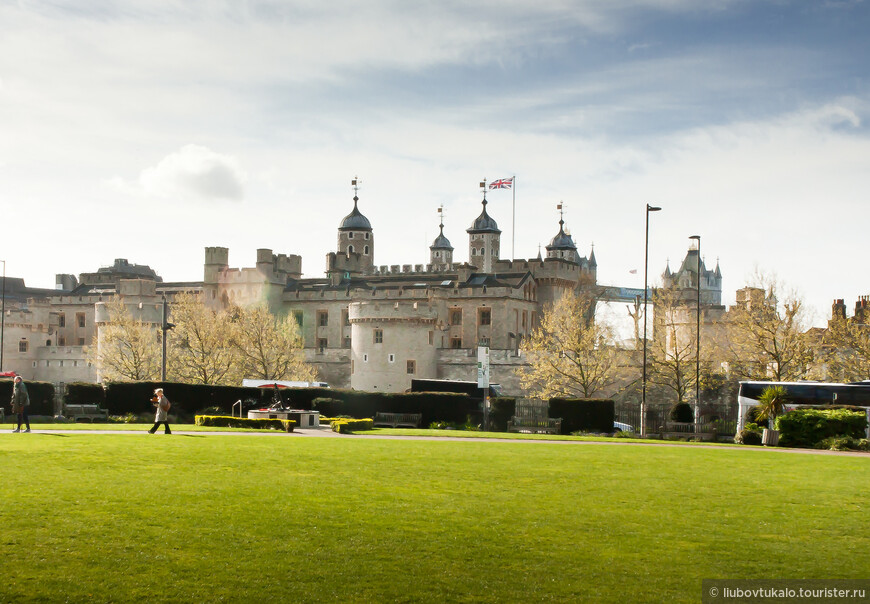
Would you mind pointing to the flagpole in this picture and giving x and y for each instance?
(513, 216)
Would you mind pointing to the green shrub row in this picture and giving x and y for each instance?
(844, 443)
(807, 427)
(186, 399)
(432, 406)
(583, 415)
(41, 395)
(347, 426)
(84, 393)
(227, 421)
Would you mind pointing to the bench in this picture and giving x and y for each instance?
(85, 412)
(535, 425)
(397, 420)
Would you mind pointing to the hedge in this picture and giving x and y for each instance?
(501, 410)
(583, 415)
(84, 393)
(432, 406)
(226, 421)
(347, 426)
(808, 426)
(41, 395)
(186, 399)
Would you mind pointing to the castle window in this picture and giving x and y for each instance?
(412, 367)
(347, 341)
(484, 341)
(22, 346)
(322, 344)
(350, 249)
(367, 236)
(80, 319)
(61, 320)
(391, 358)
(366, 250)
(484, 316)
(350, 235)
(297, 316)
(48, 342)
(525, 318)
(81, 341)
(437, 254)
(378, 336)
(322, 318)
(456, 316)
(455, 343)
(365, 358)
(431, 338)
(473, 252)
(61, 341)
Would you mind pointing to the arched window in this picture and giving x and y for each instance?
(366, 250)
(350, 249)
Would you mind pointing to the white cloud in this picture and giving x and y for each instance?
(195, 172)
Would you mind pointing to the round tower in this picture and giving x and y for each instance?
(391, 343)
(483, 240)
(441, 252)
(355, 235)
(562, 245)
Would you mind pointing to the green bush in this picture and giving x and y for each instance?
(84, 393)
(843, 443)
(135, 397)
(348, 426)
(432, 406)
(501, 410)
(583, 415)
(226, 421)
(682, 412)
(748, 437)
(807, 427)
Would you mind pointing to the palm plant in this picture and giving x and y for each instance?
(771, 404)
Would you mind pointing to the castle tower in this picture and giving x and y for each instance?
(355, 235)
(686, 279)
(562, 245)
(441, 252)
(216, 261)
(483, 240)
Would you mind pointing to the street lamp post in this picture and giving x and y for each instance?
(649, 209)
(698, 341)
(165, 326)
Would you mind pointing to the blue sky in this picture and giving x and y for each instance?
(149, 130)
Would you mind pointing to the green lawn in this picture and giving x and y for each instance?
(204, 518)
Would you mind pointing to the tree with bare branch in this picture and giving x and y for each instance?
(570, 353)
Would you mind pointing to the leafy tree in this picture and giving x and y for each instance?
(764, 335)
(673, 359)
(268, 347)
(126, 349)
(570, 353)
(202, 344)
(846, 349)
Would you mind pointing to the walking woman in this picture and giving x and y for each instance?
(162, 417)
(20, 402)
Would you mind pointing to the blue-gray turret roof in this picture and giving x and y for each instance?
(441, 242)
(562, 240)
(355, 221)
(484, 223)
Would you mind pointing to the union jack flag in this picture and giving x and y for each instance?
(502, 183)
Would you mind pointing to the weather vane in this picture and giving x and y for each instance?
(355, 183)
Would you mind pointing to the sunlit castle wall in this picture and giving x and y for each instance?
(391, 343)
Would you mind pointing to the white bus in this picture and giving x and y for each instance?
(806, 394)
(282, 384)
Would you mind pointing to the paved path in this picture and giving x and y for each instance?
(327, 433)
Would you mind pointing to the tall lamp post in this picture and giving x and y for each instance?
(165, 326)
(698, 341)
(649, 209)
(3, 315)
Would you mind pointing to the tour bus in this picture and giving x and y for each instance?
(813, 394)
(282, 384)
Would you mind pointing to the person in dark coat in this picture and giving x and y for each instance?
(20, 402)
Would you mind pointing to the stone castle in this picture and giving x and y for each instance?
(365, 326)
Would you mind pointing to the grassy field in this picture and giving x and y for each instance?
(204, 518)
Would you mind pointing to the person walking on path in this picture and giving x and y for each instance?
(162, 417)
(20, 402)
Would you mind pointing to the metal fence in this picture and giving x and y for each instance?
(714, 419)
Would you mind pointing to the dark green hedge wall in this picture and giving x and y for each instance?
(434, 406)
(807, 427)
(583, 415)
(186, 399)
(84, 393)
(41, 396)
(501, 410)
